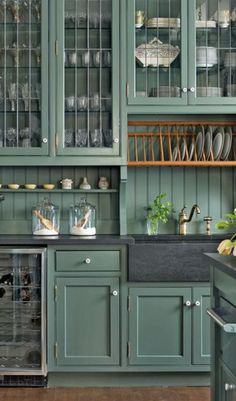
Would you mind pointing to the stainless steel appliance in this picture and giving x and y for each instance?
(22, 312)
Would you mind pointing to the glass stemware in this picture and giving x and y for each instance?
(37, 8)
(16, 10)
(25, 90)
(3, 4)
(11, 136)
(37, 52)
(15, 53)
(12, 93)
(38, 94)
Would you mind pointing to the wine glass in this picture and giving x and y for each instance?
(38, 94)
(12, 93)
(3, 4)
(16, 10)
(11, 136)
(37, 8)
(25, 90)
(37, 52)
(15, 53)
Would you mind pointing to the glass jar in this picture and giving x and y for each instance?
(45, 218)
(82, 218)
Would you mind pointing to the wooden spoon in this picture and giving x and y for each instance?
(82, 222)
(46, 222)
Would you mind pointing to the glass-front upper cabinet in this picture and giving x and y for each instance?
(23, 93)
(212, 72)
(157, 52)
(88, 77)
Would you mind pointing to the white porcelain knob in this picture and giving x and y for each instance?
(87, 260)
(45, 140)
(188, 303)
(116, 140)
(197, 303)
(115, 293)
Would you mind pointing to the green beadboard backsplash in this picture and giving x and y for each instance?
(16, 209)
(213, 189)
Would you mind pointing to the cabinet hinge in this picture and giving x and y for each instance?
(56, 48)
(55, 350)
(55, 293)
(56, 140)
(127, 89)
(128, 303)
(128, 349)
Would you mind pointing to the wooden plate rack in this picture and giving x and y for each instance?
(151, 143)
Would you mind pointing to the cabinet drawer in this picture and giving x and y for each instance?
(87, 260)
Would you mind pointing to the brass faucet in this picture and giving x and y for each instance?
(184, 219)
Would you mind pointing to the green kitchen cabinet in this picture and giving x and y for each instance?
(227, 383)
(87, 321)
(181, 53)
(84, 313)
(87, 78)
(60, 82)
(201, 326)
(168, 326)
(24, 78)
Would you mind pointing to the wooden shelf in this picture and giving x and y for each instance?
(63, 191)
(174, 143)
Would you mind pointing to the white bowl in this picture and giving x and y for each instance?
(206, 56)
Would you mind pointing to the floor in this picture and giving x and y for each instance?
(107, 394)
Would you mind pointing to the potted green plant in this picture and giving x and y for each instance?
(227, 246)
(158, 211)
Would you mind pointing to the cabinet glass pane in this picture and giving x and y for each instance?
(157, 48)
(20, 73)
(88, 74)
(216, 48)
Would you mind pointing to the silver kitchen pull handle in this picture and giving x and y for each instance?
(229, 387)
(227, 327)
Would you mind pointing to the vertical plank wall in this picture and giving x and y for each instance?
(16, 209)
(213, 189)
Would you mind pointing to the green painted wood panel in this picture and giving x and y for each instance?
(88, 260)
(159, 326)
(201, 326)
(87, 321)
(213, 189)
(15, 211)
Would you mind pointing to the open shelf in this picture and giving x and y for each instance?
(181, 143)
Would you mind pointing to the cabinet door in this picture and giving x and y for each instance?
(201, 326)
(157, 52)
(227, 385)
(212, 52)
(160, 326)
(23, 64)
(87, 320)
(88, 77)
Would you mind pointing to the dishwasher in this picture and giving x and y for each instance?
(22, 316)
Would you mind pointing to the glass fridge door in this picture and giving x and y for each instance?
(22, 312)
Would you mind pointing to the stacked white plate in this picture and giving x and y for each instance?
(206, 24)
(230, 59)
(165, 91)
(163, 23)
(210, 91)
(231, 90)
(206, 56)
(227, 143)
